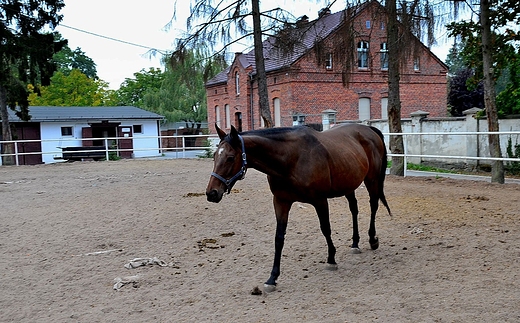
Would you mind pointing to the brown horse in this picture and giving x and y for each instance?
(307, 166)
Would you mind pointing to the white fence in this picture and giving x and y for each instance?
(416, 147)
(182, 150)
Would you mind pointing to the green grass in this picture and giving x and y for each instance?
(425, 168)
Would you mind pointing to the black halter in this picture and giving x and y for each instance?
(238, 176)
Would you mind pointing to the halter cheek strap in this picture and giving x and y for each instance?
(238, 176)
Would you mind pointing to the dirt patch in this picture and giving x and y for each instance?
(450, 253)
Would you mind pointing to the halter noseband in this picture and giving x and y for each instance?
(238, 176)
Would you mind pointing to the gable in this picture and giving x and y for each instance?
(311, 32)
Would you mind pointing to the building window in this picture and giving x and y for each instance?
(364, 109)
(237, 83)
(138, 128)
(416, 64)
(217, 116)
(368, 24)
(384, 56)
(277, 112)
(328, 61)
(298, 120)
(384, 108)
(328, 119)
(228, 117)
(362, 50)
(66, 131)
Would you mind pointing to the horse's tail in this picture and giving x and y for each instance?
(382, 173)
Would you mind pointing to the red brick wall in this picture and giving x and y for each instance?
(309, 89)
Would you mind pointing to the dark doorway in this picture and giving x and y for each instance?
(126, 145)
(238, 121)
(28, 131)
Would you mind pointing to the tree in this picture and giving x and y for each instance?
(74, 89)
(132, 90)
(25, 56)
(67, 60)
(408, 22)
(493, 15)
(508, 101)
(460, 96)
(217, 27)
(182, 94)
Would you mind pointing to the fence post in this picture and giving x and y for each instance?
(107, 155)
(472, 125)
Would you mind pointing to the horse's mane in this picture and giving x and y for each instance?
(275, 133)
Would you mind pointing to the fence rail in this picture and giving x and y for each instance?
(181, 146)
(180, 142)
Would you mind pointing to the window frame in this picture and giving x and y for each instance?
(363, 49)
(384, 55)
(71, 128)
(134, 129)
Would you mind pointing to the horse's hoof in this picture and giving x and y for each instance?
(355, 251)
(331, 267)
(269, 288)
(375, 244)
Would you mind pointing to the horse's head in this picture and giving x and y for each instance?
(229, 164)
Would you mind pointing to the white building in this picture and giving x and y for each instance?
(52, 129)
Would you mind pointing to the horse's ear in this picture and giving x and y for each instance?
(234, 131)
(220, 132)
(233, 134)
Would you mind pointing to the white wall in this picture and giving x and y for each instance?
(52, 138)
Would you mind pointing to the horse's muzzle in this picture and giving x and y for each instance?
(214, 196)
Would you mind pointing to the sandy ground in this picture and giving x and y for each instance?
(450, 253)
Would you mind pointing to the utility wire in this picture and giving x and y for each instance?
(163, 52)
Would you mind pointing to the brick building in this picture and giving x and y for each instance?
(306, 89)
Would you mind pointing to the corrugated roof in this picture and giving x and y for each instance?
(39, 114)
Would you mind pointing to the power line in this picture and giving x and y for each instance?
(163, 52)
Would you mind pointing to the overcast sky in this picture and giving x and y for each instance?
(143, 23)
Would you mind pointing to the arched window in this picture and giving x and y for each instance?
(217, 116)
(228, 116)
(237, 82)
(364, 109)
(277, 112)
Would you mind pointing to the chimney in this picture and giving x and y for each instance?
(323, 12)
(302, 21)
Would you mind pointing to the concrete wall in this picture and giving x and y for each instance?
(450, 145)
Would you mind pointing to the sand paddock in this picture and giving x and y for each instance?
(450, 253)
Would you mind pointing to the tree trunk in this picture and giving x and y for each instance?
(497, 166)
(394, 99)
(6, 130)
(263, 98)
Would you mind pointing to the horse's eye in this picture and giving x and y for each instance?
(231, 159)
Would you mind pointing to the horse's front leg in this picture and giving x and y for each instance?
(322, 209)
(281, 209)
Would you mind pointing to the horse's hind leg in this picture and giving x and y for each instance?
(322, 209)
(353, 205)
(373, 192)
